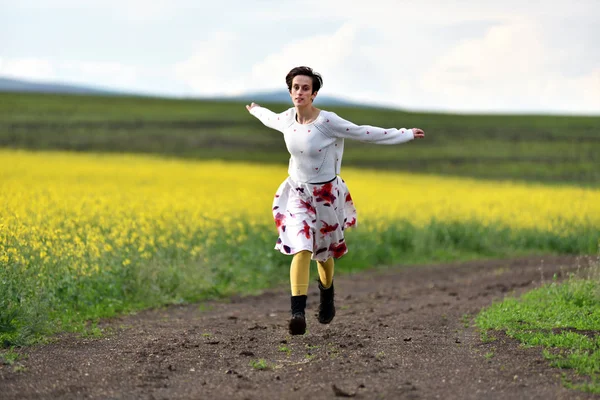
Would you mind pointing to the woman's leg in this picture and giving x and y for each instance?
(326, 304)
(300, 273)
(299, 276)
(325, 269)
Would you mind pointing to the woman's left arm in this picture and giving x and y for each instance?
(341, 128)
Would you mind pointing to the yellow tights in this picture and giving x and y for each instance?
(300, 272)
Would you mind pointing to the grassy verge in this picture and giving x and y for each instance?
(34, 305)
(563, 319)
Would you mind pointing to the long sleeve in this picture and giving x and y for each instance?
(338, 127)
(270, 119)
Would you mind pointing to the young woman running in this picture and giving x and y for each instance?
(313, 206)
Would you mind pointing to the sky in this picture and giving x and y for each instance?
(430, 55)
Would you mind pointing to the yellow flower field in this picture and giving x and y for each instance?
(90, 235)
(84, 207)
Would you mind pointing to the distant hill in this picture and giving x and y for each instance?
(19, 85)
(278, 96)
(283, 96)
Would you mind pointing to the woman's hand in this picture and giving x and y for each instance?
(251, 106)
(418, 133)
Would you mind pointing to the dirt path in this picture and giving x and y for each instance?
(398, 334)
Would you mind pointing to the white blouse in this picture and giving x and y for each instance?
(316, 149)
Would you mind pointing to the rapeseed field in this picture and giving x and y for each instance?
(84, 236)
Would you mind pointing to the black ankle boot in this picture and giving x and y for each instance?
(326, 305)
(297, 323)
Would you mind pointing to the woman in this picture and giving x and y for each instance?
(313, 206)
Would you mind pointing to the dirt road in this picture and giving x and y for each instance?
(400, 333)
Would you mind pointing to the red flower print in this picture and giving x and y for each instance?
(338, 250)
(351, 223)
(305, 230)
(323, 193)
(280, 221)
(309, 207)
(328, 228)
(348, 198)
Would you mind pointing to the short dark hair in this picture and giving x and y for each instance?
(317, 80)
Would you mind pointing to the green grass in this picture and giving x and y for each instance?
(260, 364)
(284, 349)
(33, 307)
(563, 319)
(550, 149)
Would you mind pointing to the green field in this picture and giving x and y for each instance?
(549, 149)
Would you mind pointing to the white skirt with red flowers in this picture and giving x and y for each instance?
(313, 217)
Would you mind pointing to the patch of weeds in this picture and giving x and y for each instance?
(332, 350)
(489, 355)
(561, 318)
(260, 364)
(93, 332)
(590, 387)
(19, 368)
(12, 358)
(466, 320)
(207, 334)
(9, 357)
(379, 356)
(284, 349)
(486, 337)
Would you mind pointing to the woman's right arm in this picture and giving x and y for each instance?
(341, 128)
(268, 117)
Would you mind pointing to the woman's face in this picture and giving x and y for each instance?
(301, 92)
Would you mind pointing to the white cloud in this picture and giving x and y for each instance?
(129, 10)
(212, 69)
(511, 67)
(432, 54)
(27, 68)
(97, 74)
(110, 74)
(326, 54)
(215, 66)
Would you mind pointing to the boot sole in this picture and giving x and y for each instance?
(297, 326)
(326, 321)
